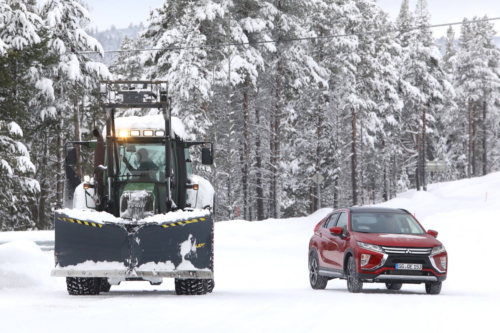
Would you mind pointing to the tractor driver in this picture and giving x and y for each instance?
(145, 163)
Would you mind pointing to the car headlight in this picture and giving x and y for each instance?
(371, 247)
(437, 250)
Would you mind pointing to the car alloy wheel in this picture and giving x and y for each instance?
(354, 285)
(317, 281)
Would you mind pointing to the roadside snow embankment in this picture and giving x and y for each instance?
(23, 264)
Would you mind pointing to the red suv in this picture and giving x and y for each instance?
(371, 244)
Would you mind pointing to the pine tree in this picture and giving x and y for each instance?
(22, 87)
(423, 83)
(73, 78)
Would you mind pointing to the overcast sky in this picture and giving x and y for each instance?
(121, 13)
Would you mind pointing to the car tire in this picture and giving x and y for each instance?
(354, 285)
(83, 286)
(190, 287)
(393, 285)
(433, 288)
(317, 281)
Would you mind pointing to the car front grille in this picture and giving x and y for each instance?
(407, 250)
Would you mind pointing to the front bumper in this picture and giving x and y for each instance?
(116, 273)
(388, 273)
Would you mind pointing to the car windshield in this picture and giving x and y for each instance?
(141, 162)
(385, 223)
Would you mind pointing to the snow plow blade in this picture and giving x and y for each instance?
(181, 248)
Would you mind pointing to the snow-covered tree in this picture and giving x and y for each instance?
(478, 85)
(423, 83)
(128, 64)
(71, 80)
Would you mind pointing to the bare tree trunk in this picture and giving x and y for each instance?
(424, 138)
(318, 156)
(385, 189)
(76, 123)
(59, 164)
(485, 136)
(230, 144)
(275, 130)
(258, 175)
(43, 183)
(246, 150)
(474, 131)
(362, 172)
(354, 159)
(417, 173)
(469, 152)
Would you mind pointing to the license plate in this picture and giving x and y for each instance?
(416, 267)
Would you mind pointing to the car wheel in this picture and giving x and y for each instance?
(354, 285)
(433, 288)
(317, 281)
(393, 285)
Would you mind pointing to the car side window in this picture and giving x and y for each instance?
(342, 221)
(331, 221)
(325, 223)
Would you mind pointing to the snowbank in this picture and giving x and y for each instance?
(35, 236)
(23, 264)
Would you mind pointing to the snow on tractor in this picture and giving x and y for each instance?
(142, 215)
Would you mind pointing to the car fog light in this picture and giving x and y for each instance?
(443, 262)
(364, 259)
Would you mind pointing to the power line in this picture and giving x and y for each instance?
(296, 39)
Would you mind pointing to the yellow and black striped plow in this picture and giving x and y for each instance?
(175, 224)
(90, 224)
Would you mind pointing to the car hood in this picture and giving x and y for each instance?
(397, 239)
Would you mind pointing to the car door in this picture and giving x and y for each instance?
(324, 243)
(338, 243)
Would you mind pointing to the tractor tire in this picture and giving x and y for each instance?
(105, 285)
(83, 286)
(190, 287)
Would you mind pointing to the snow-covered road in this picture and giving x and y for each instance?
(262, 280)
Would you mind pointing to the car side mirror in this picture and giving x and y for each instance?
(337, 231)
(433, 233)
(71, 156)
(206, 156)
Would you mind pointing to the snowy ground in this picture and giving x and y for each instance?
(262, 280)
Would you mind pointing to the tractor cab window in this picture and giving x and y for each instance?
(141, 162)
(189, 162)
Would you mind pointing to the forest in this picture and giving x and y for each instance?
(285, 89)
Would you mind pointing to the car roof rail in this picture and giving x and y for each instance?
(404, 210)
